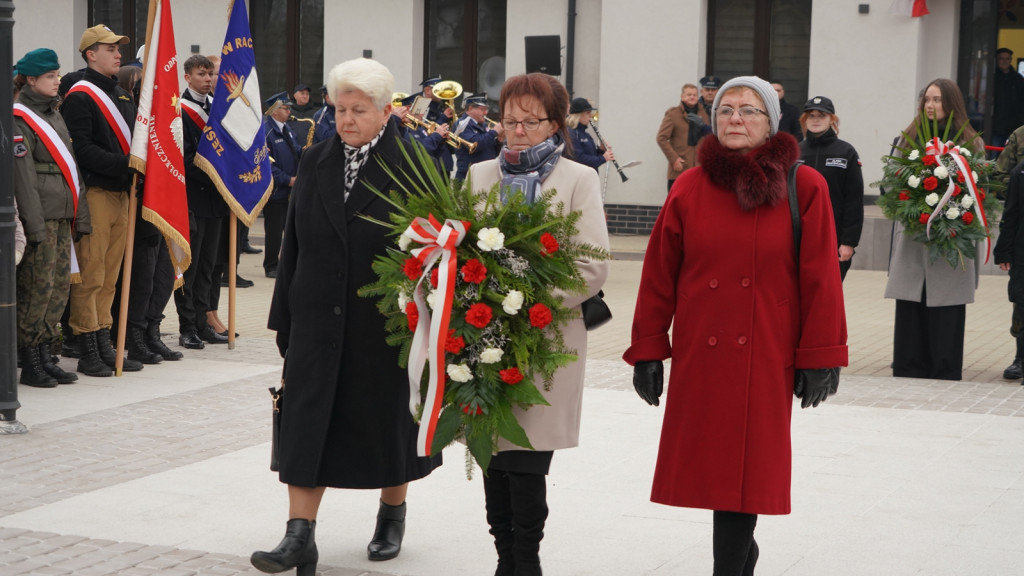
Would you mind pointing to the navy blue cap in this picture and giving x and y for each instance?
(579, 106)
(479, 99)
(711, 82)
(430, 81)
(277, 100)
(323, 89)
(300, 87)
(408, 100)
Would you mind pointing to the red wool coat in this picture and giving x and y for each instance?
(725, 280)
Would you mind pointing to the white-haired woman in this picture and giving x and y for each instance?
(346, 421)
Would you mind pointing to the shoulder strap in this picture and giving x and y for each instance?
(794, 209)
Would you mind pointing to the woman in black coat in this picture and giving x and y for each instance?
(839, 163)
(346, 422)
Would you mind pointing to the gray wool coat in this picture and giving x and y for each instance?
(910, 272)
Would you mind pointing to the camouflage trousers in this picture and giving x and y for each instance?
(44, 279)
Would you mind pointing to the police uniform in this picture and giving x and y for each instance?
(487, 143)
(285, 150)
(325, 124)
(435, 113)
(584, 149)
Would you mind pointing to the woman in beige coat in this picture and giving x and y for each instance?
(535, 159)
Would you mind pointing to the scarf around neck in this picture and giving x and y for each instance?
(524, 171)
(758, 177)
(355, 158)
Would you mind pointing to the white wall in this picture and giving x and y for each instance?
(200, 22)
(393, 29)
(53, 24)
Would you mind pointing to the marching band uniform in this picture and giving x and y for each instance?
(285, 149)
(487, 143)
(325, 125)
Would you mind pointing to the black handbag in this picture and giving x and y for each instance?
(277, 402)
(595, 312)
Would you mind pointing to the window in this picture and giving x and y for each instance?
(767, 38)
(465, 42)
(289, 36)
(125, 17)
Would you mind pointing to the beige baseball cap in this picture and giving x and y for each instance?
(101, 34)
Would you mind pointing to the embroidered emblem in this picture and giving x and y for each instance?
(835, 163)
(20, 150)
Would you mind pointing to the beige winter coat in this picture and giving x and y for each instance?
(558, 425)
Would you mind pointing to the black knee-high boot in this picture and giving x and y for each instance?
(529, 512)
(733, 543)
(499, 517)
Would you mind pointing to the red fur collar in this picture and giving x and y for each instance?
(759, 176)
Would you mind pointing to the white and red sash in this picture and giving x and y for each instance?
(195, 112)
(62, 157)
(109, 110)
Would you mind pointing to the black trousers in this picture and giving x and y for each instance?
(274, 213)
(193, 300)
(733, 543)
(152, 283)
(928, 342)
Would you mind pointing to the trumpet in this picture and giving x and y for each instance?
(397, 97)
(413, 123)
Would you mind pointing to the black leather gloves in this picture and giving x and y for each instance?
(648, 377)
(813, 386)
(695, 120)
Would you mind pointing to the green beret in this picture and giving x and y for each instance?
(38, 62)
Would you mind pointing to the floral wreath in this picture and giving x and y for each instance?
(472, 292)
(941, 193)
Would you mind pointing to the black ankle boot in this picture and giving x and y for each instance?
(32, 373)
(157, 345)
(387, 537)
(89, 361)
(499, 516)
(529, 513)
(296, 550)
(52, 368)
(108, 355)
(137, 349)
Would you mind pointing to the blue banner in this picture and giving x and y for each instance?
(233, 148)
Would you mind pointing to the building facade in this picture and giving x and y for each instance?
(629, 58)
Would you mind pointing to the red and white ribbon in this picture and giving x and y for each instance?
(938, 149)
(109, 111)
(439, 243)
(61, 155)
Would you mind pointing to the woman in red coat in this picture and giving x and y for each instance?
(752, 321)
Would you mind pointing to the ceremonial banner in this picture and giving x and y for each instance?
(156, 148)
(233, 149)
(912, 8)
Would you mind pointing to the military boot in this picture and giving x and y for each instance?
(157, 345)
(51, 367)
(106, 351)
(89, 362)
(32, 373)
(136, 347)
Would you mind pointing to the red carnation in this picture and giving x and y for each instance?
(479, 315)
(928, 160)
(956, 190)
(413, 314)
(540, 315)
(413, 268)
(981, 194)
(454, 344)
(960, 177)
(924, 217)
(473, 271)
(968, 217)
(466, 409)
(433, 277)
(511, 376)
(549, 243)
(931, 183)
(904, 195)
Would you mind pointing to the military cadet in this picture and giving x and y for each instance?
(100, 117)
(46, 188)
(285, 150)
(206, 212)
(325, 126)
(433, 141)
(472, 127)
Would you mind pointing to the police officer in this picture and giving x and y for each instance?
(472, 127)
(709, 86)
(285, 150)
(584, 149)
(325, 124)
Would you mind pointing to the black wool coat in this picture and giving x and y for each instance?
(1009, 247)
(346, 420)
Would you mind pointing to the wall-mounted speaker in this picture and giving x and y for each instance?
(544, 54)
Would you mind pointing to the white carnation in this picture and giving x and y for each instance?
(431, 299)
(402, 301)
(491, 355)
(913, 181)
(941, 172)
(914, 155)
(513, 302)
(967, 202)
(965, 152)
(974, 175)
(952, 213)
(459, 372)
(931, 199)
(488, 239)
(403, 242)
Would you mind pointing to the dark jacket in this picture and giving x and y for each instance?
(99, 154)
(346, 422)
(204, 201)
(325, 124)
(285, 150)
(1010, 245)
(487, 146)
(839, 163)
(584, 149)
(39, 186)
(1008, 100)
(435, 145)
(789, 119)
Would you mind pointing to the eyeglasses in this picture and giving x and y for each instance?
(529, 125)
(746, 112)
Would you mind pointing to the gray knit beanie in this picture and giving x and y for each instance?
(763, 89)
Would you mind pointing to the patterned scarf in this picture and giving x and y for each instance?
(524, 171)
(355, 158)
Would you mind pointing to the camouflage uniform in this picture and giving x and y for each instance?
(44, 278)
(1011, 155)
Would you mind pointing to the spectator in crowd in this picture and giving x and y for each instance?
(680, 132)
(789, 121)
(1007, 98)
